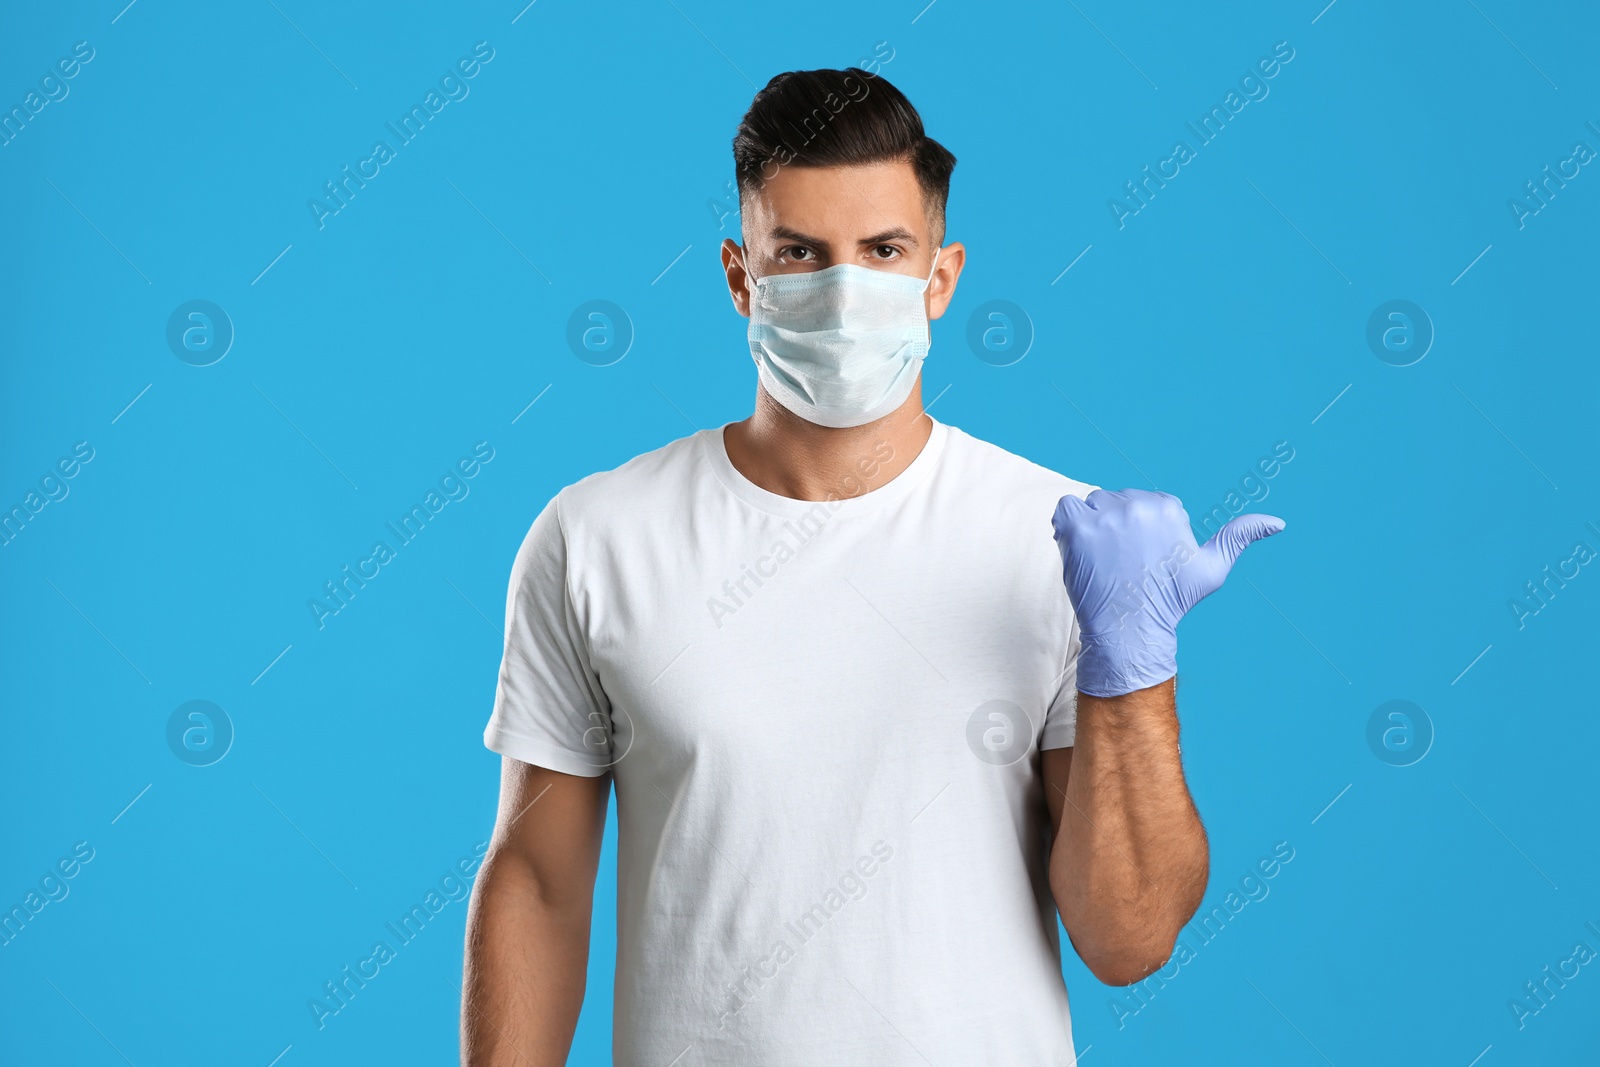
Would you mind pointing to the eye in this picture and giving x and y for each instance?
(795, 253)
(893, 252)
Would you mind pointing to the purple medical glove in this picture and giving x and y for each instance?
(1132, 570)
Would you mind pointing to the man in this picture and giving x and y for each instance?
(869, 725)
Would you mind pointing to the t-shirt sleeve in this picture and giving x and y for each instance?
(1061, 718)
(549, 707)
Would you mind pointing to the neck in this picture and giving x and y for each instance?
(784, 454)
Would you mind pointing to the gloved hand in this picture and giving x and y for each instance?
(1132, 570)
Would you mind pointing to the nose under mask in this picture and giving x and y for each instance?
(842, 346)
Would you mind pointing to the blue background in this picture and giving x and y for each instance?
(587, 163)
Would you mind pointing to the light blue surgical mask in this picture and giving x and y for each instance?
(842, 346)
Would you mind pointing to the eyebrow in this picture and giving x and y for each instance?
(898, 233)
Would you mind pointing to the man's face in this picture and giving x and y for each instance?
(812, 218)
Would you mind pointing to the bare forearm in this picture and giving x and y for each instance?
(1130, 860)
(526, 959)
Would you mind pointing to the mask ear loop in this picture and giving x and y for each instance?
(927, 284)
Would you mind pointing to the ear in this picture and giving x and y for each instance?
(952, 257)
(733, 267)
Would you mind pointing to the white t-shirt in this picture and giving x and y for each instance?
(824, 720)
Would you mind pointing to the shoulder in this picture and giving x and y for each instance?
(1013, 476)
(582, 518)
(649, 482)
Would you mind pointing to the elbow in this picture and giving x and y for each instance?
(1137, 953)
(1123, 942)
(1127, 952)
(1119, 951)
(1127, 968)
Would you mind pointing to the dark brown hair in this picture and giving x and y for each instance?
(838, 118)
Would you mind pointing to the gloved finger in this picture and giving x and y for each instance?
(1237, 534)
(1067, 508)
(1153, 501)
(1096, 497)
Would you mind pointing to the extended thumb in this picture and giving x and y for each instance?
(1238, 533)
